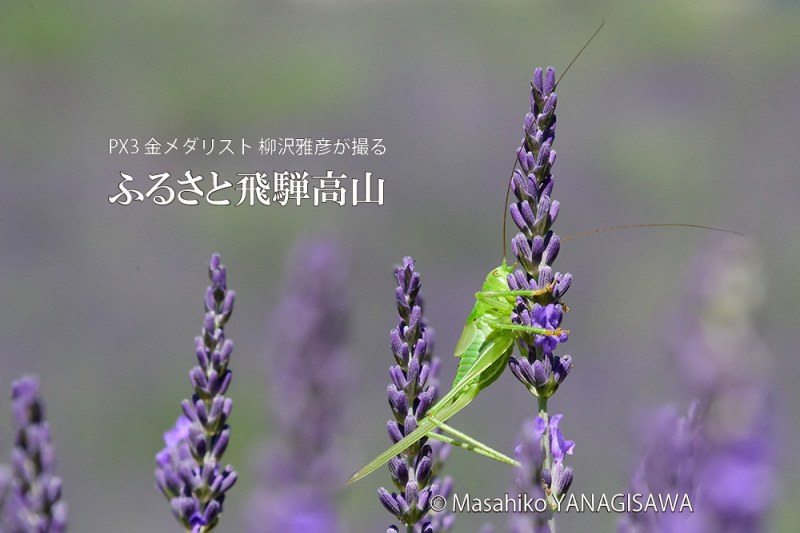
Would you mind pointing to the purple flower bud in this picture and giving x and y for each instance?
(540, 375)
(537, 80)
(549, 81)
(562, 368)
(395, 433)
(182, 467)
(552, 249)
(34, 490)
(389, 501)
(413, 383)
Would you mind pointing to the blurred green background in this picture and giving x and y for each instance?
(683, 111)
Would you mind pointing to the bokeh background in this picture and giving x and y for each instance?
(683, 111)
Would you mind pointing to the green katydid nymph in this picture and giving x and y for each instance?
(484, 349)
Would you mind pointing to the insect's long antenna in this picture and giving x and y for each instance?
(600, 27)
(632, 226)
(505, 206)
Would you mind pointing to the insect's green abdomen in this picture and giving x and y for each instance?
(468, 357)
(486, 339)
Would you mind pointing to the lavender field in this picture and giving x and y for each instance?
(681, 375)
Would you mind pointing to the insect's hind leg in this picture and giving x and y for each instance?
(462, 440)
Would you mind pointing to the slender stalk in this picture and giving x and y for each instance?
(548, 456)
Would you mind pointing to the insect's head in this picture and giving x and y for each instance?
(500, 273)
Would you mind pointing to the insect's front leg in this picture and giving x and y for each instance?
(490, 295)
(529, 329)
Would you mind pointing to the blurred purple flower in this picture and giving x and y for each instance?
(412, 391)
(723, 452)
(310, 378)
(33, 500)
(188, 469)
(531, 478)
(534, 479)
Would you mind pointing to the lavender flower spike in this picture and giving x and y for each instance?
(536, 246)
(34, 504)
(188, 469)
(722, 454)
(311, 378)
(412, 392)
(537, 480)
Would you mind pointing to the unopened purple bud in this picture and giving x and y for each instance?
(412, 373)
(225, 352)
(537, 79)
(396, 342)
(562, 285)
(424, 374)
(397, 401)
(544, 155)
(423, 471)
(402, 303)
(425, 401)
(214, 263)
(221, 386)
(540, 374)
(552, 249)
(549, 81)
(209, 324)
(416, 315)
(554, 208)
(522, 370)
(537, 248)
(212, 511)
(227, 304)
(188, 410)
(411, 494)
(423, 501)
(209, 300)
(518, 185)
(198, 378)
(517, 217)
(398, 378)
(394, 431)
(399, 470)
(419, 349)
(229, 480)
(545, 277)
(218, 279)
(200, 351)
(389, 501)
(410, 425)
(563, 367)
(527, 215)
(563, 480)
(550, 105)
(414, 285)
